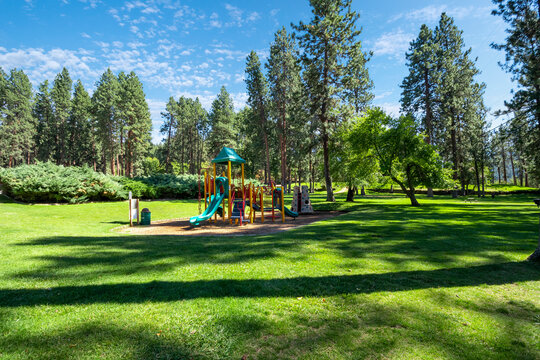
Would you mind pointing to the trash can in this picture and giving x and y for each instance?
(145, 216)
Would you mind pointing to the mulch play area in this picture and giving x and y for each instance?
(221, 228)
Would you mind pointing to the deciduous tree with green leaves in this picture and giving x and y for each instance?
(401, 152)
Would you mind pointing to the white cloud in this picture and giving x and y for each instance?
(432, 13)
(85, 35)
(91, 3)
(150, 10)
(390, 108)
(383, 95)
(237, 16)
(40, 64)
(393, 44)
(239, 100)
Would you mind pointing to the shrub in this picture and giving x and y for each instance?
(47, 182)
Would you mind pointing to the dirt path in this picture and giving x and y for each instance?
(221, 228)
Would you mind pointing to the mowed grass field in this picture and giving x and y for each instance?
(383, 281)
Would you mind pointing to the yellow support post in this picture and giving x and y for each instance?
(252, 213)
(223, 203)
(282, 204)
(243, 195)
(229, 177)
(205, 184)
(262, 204)
(273, 210)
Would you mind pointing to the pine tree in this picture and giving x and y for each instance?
(133, 121)
(329, 44)
(18, 126)
(257, 88)
(522, 49)
(81, 140)
(222, 119)
(168, 128)
(357, 84)
(418, 97)
(61, 100)
(104, 102)
(457, 93)
(285, 85)
(3, 89)
(46, 130)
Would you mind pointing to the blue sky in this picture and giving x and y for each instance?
(192, 48)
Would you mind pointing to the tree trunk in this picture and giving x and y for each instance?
(477, 176)
(324, 122)
(282, 145)
(483, 180)
(168, 157)
(499, 174)
(513, 169)
(327, 178)
(535, 256)
(350, 193)
(363, 191)
(409, 192)
(504, 164)
(453, 139)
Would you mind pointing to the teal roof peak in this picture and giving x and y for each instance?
(227, 154)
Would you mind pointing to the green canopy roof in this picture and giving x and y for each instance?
(227, 154)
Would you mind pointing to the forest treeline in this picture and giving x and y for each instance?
(304, 103)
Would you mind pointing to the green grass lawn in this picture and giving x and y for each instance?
(443, 281)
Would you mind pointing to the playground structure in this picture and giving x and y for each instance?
(232, 201)
(301, 202)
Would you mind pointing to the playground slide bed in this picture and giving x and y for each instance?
(221, 228)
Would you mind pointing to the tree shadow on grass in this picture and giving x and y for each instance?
(166, 291)
(436, 234)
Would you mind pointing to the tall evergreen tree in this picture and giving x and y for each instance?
(81, 148)
(18, 126)
(104, 102)
(46, 129)
(418, 96)
(61, 100)
(168, 128)
(285, 86)
(357, 84)
(458, 95)
(329, 44)
(222, 119)
(257, 88)
(522, 49)
(133, 121)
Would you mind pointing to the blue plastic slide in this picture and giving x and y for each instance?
(215, 202)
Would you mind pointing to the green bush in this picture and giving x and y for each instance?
(159, 186)
(47, 182)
